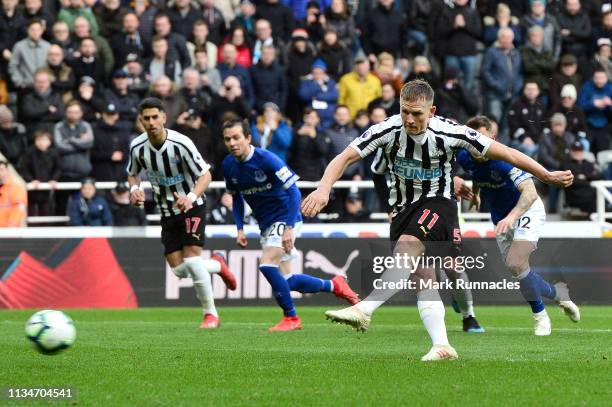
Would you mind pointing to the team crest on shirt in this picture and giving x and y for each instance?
(366, 135)
(471, 134)
(260, 176)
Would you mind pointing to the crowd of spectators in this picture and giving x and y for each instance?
(309, 75)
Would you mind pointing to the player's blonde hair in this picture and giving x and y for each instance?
(417, 90)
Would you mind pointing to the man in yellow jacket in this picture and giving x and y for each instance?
(13, 200)
(359, 88)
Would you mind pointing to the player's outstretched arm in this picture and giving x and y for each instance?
(527, 198)
(498, 151)
(137, 195)
(319, 198)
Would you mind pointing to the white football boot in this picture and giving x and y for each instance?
(567, 305)
(350, 316)
(440, 352)
(542, 325)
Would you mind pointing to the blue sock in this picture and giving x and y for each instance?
(304, 283)
(533, 286)
(280, 288)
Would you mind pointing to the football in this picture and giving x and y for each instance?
(50, 331)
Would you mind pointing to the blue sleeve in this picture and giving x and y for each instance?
(463, 157)
(278, 169)
(238, 210)
(293, 211)
(516, 175)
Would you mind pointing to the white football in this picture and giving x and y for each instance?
(50, 331)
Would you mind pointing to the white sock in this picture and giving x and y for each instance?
(181, 271)
(432, 315)
(212, 265)
(368, 307)
(202, 284)
(541, 313)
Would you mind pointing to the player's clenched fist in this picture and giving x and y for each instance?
(561, 179)
(241, 239)
(182, 203)
(314, 202)
(137, 197)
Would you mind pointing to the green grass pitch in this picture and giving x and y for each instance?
(158, 357)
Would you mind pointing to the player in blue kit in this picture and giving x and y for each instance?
(267, 185)
(518, 215)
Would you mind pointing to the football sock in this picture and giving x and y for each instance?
(304, 283)
(202, 284)
(280, 288)
(533, 287)
(212, 265)
(391, 277)
(181, 271)
(463, 296)
(432, 315)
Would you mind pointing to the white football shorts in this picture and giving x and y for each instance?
(273, 236)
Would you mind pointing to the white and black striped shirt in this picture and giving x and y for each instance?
(420, 166)
(174, 167)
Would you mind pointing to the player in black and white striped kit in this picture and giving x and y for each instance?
(179, 177)
(420, 148)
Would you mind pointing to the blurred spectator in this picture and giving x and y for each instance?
(338, 18)
(229, 67)
(42, 107)
(320, 93)
(538, 64)
(13, 200)
(575, 29)
(72, 9)
(12, 29)
(554, 149)
(74, 139)
(61, 37)
(601, 59)
(384, 30)
(280, 18)
(419, 19)
(182, 15)
(595, 99)
(109, 16)
(193, 94)
(146, 12)
(173, 104)
(125, 101)
(526, 120)
(229, 99)
(63, 77)
(353, 212)
(314, 22)
(138, 82)
(199, 40)
(210, 77)
(501, 77)
(89, 98)
(82, 30)
(238, 37)
(28, 55)
(263, 36)
(162, 63)
(388, 100)
(86, 208)
(88, 63)
(222, 214)
(123, 213)
(421, 69)
(453, 100)
(377, 115)
(460, 29)
(191, 124)
(40, 163)
(384, 69)
(336, 55)
(110, 147)
(604, 30)
(271, 132)
(359, 88)
(503, 19)
(340, 135)
(245, 16)
(580, 194)
(13, 140)
(309, 148)
(177, 44)
(517, 7)
(362, 121)
(567, 74)
(128, 41)
(34, 9)
(216, 23)
(297, 59)
(574, 115)
(539, 17)
(269, 80)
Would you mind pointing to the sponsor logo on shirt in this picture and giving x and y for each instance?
(158, 178)
(411, 169)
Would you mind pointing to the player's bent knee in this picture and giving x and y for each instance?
(192, 251)
(271, 255)
(515, 267)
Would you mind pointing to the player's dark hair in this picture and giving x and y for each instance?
(417, 90)
(246, 129)
(480, 121)
(151, 103)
